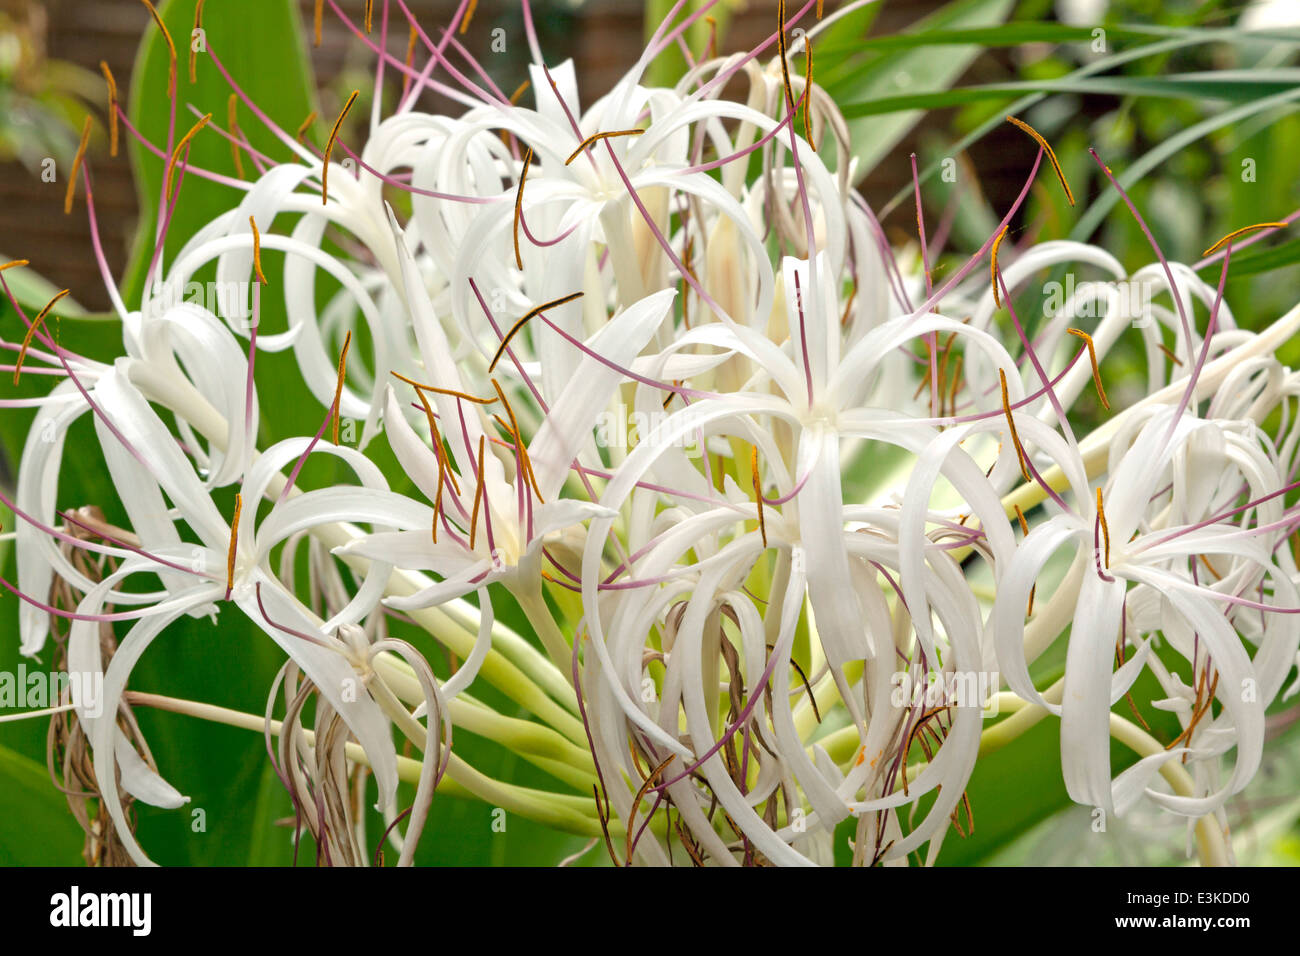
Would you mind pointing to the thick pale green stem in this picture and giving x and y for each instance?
(571, 813)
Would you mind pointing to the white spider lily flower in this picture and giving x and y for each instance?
(1153, 538)
(495, 531)
(146, 459)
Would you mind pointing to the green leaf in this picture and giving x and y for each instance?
(48, 834)
(1227, 85)
(874, 137)
(263, 45)
(1154, 157)
(33, 291)
(1184, 39)
(1258, 261)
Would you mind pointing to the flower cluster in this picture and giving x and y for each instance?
(805, 580)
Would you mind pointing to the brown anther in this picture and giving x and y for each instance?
(1047, 148)
(519, 91)
(513, 428)
(176, 153)
(848, 305)
(1011, 423)
(171, 48)
(317, 16)
(435, 439)
(257, 254)
(412, 37)
(758, 493)
(1024, 529)
(1169, 353)
(198, 25)
(112, 107)
(478, 495)
(782, 54)
(519, 205)
(234, 545)
(76, 167)
(505, 342)
(36, 322)
(338, 388)
(1105, 530)
(636, 803)
(444, 391)
(305, 125)
(329, 148)
(993, 266)
(1096, 370)
(807, 91)
(232, 127)
(1237, 232)
(469, 15)
(956, 384)
(597, 137)
(369, 15)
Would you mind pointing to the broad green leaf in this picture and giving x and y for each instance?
(39, 829)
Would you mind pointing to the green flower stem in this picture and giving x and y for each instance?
(570, 813)
(533, 604)
(525, 738)
(522, 677)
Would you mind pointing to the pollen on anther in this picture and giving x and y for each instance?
(1105, 530)
(198, 25)
(257, 252)
(171, 47)
(338, 388)
(1242, 231)
(597, 137)
(478, 495)
(519, 205)
(36, 322)
(305, 125)
(1011, 423)
(112, 107)
(329, 148)
(1096, 370)
(180, 146)
(234, 546)
(1051, 155)
(76, 167)
(232, 127)
(505, 342)
(993, 265)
